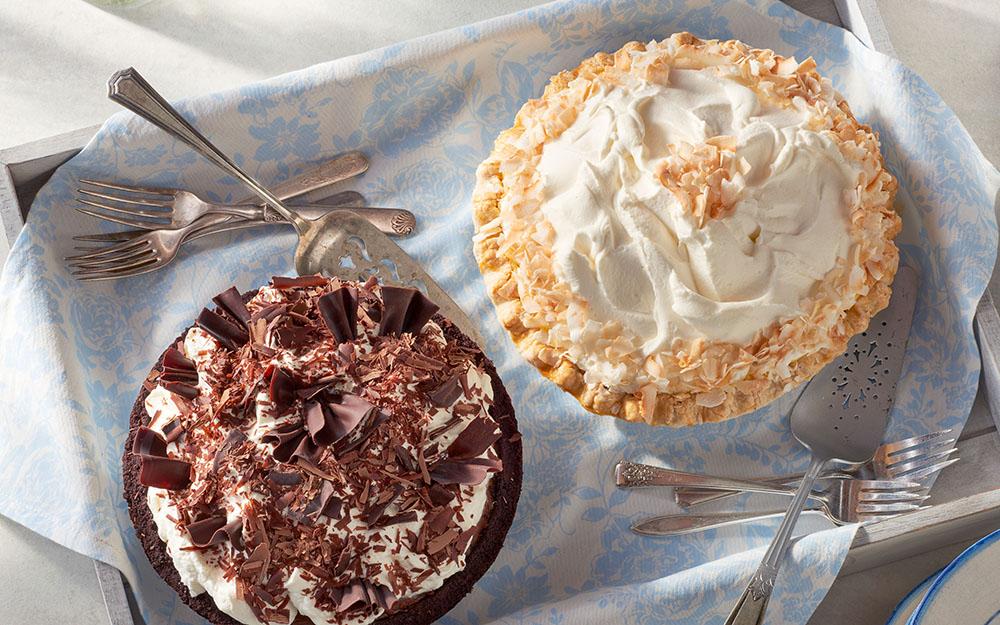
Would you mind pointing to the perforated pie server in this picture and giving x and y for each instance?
(841, 415)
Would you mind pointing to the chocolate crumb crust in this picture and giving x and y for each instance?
(505, 488)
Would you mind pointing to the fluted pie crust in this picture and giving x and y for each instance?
(709, 381)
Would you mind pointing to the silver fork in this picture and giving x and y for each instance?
(155, 208)
(915, 459)
(843, 501)
(342, 199)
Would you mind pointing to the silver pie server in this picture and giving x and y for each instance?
(841, 415)
(338, 244)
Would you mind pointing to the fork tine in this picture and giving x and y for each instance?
(111, 262)
(897, 446)
(130, 188)
(902, 495)
(878, 508)
(145, 224)
(887, 484)
(137, 271)
(108, 237)
(927, 449)
(866, 517)
(139, 262)
(109, 250)
(923, 473)
(901, 468)
(125, 200)
(163, 214)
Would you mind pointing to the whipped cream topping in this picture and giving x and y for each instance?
(386, 555)
(638, 252)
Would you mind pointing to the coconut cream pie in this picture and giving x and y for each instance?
(322, 452)
(681, 231)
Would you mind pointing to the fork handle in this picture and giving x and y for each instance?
(677, 524)
(329, 172)
(634, 475)
(128, 88)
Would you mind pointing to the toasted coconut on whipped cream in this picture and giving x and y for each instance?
(681, 231)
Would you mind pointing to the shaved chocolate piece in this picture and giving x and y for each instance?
(215, 530)
(281, 389)
(325, 503)
(446, 394)
(440, 520)
(168, 473)
(375, 511)
(225, 331)
(471, 471)
(440, 542)
(282, 282)
(316, 418)
(371, 420)
(172, 430)
(404, 310)
(179, 375)
(405, 459)
(348, 412)
(268, 313)
(184, 390)
(339, 310)
(148, 442)
(403, 517)
(440, 495)
(174, 359)
(287, 337)
(231, 301)
(282, 478)
(233, 439)
(349, 596)
(475, 439)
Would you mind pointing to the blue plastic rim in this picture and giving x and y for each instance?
(947, 573)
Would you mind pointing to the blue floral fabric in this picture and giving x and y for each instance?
(426, 113)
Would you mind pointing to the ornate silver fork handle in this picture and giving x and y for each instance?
(634, 475)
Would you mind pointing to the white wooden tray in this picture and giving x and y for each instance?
(965, 498)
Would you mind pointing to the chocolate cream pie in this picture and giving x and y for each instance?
(681, 231)
(322, 451)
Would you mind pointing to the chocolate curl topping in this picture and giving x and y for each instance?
(225, 331)
(168, 473)
(289, 336)
(292, 442)
(215, 531)
(231, 302)
(172, 430)
(339, 310)
(446, 394)
(284, 479)
(280, 282)
(148, 442)
(475, 439)
(364, 593)
(174, 360)
(325, 504)
(348, 413)
(404, 310)
(269, 312)
(184, 390)
(471, 471)
(281, 389)
(233, 439)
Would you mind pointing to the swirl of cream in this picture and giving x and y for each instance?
(633, 248)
